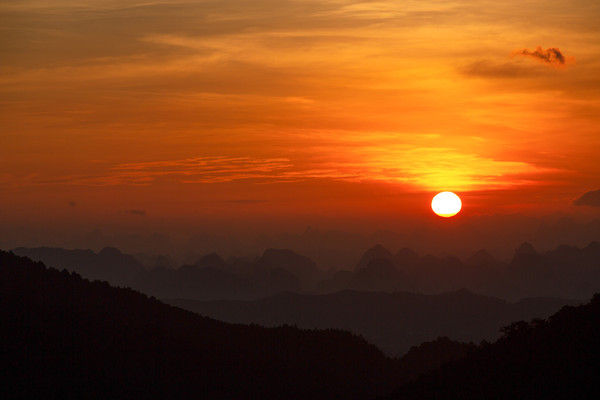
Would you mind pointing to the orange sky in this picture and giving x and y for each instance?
(251, 109)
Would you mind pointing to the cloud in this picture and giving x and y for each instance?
(552, 55)
(72, 204)
(429, 167)
(205, 169)
(190, 170)
(591, 198)
(139, 213)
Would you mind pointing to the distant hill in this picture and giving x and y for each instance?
(110, 264)
(392, 321)
(374, 253)
(557, 358)
(567, 271)
(298, 265)
(64, 337)
(209, 278)
(195, 281)
(380, 275)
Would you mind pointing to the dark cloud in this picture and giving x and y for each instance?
(591, 198)
(551, 55)
(489, 69)
(140, 213)
(72, 204)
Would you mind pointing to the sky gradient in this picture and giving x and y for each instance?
(223, 112)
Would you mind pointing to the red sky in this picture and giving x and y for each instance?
(190, 112)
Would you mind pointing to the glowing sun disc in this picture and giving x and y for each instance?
(446, 204)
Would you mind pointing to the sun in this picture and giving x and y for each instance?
(446, 204)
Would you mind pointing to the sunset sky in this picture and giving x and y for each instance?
(278, 110)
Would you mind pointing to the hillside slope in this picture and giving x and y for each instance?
(65, 337)
(392, 321)
(557, 358)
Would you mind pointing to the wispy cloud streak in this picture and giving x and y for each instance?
(413, 166)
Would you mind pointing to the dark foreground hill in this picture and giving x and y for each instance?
(392, 321)
(557, 358)
(65, 337)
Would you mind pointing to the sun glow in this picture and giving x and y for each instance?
(446, 204)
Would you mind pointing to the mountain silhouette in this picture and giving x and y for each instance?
(110, 264)
(392, 321)
(376, 252)
(209, 278)
(480, 259)
(295, 264)
(428, 356)
(380, 275)
(196, 282)
(556, 358)
(211, 260)
(66, 337)
(565, 272)
(406, 259)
